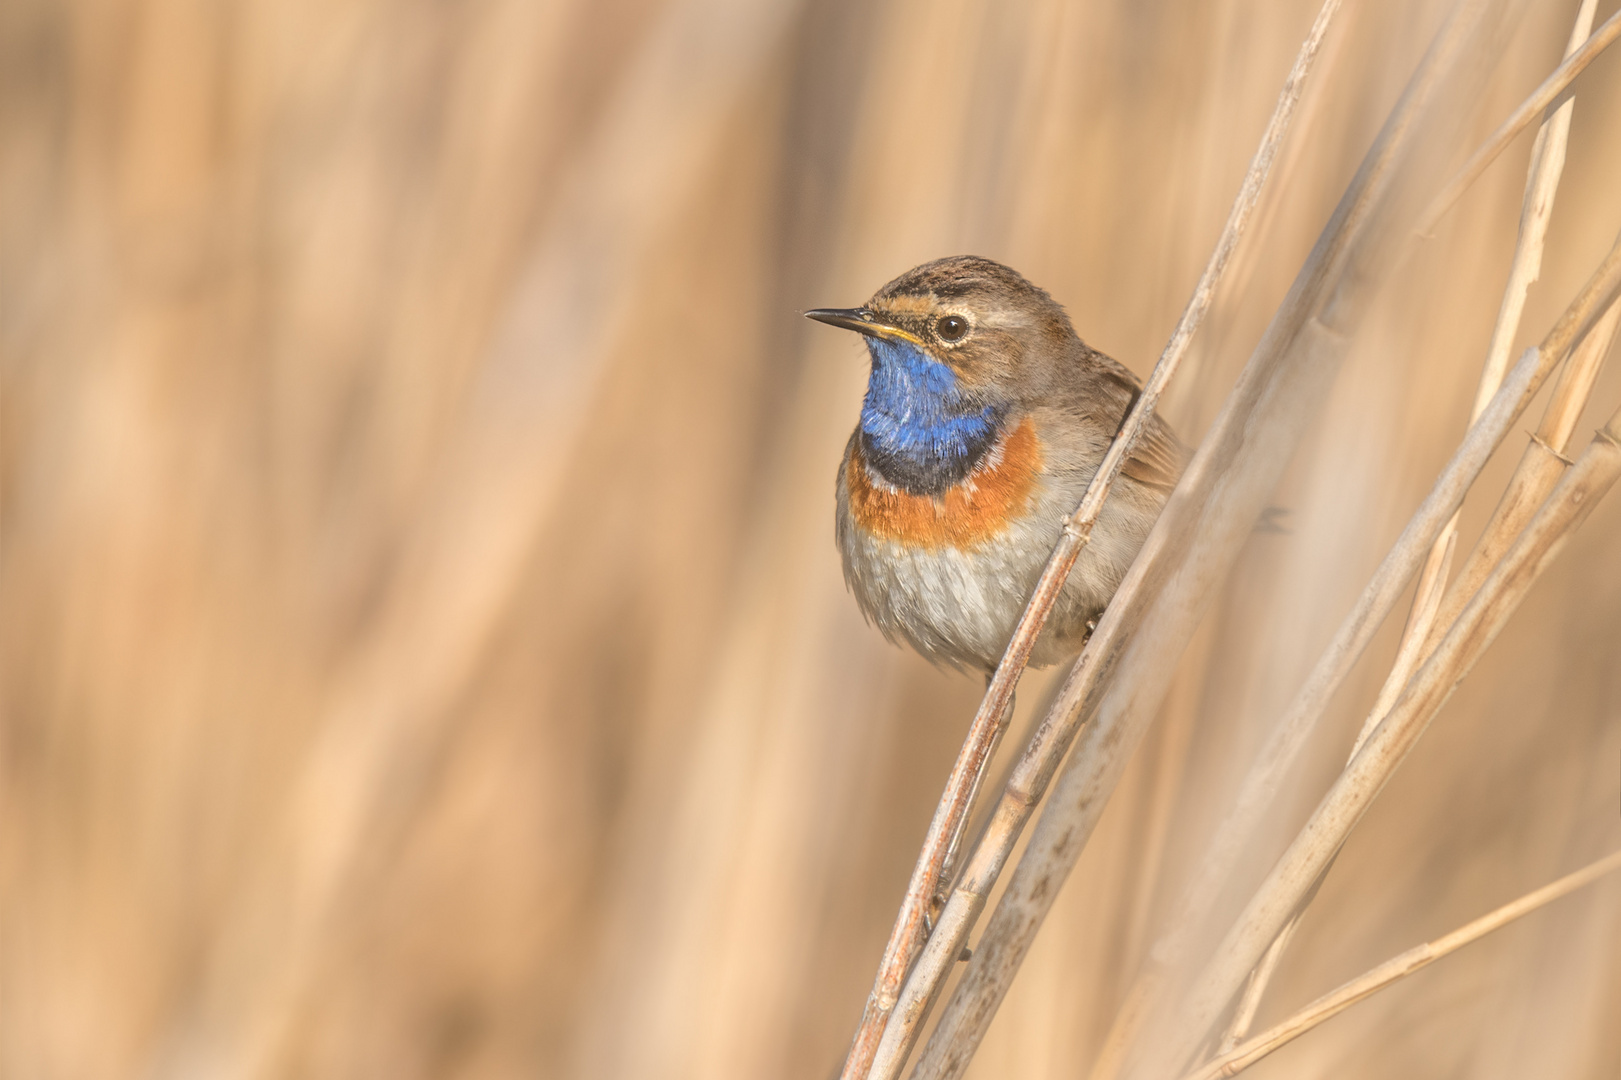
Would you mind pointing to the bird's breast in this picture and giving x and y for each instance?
(999, 491)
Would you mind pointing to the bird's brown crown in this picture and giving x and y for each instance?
(982, 318)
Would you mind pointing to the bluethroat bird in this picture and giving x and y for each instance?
(985, 418)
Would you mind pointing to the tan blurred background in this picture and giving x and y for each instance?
(424, 648)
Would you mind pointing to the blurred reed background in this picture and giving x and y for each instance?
(424, 648)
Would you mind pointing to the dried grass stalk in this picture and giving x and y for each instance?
(1540, 467)
(1296, 872)
(1255, 989)
(1538, 472)
(1123, 672)
(875, 1051)
(1236, 1059)
(1542, 97)
(1536, 208)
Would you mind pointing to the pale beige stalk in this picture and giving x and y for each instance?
(1543, 96)
(1536, 208)
(1297, 871)
(1288, 737)
(1540, 467)
(1122, 674)
(1234, 1060)
(1255, 989)
(874, 1051)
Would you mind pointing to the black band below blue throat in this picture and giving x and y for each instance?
(928, 475)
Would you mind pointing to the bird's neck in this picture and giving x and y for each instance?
(919, 430)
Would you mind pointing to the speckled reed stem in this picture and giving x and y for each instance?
(1279, 896)
(1117, 680)
(1296, 351)
(1536, 209)
(865, 1057)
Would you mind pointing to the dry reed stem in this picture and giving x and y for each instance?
(1536, 208)
(1375, 603)
(874, 1052)
(1575, 386)
(1432, 581)
(1236, 1059)
(1255, 989)
(1542, 97)
(203, 521)
(1540, 467)
(1146, 626)
(1296, 872)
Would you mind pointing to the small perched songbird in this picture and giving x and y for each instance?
(985, 419)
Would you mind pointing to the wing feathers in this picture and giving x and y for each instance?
(1159, 457)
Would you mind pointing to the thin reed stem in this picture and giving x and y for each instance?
(1238, 1058)
(1255, 989)
(1538, 472)
(1122, 674)
(1519, 120)
(1540, 467)
(1296, 872)
(1536, 208)
(873, 1052)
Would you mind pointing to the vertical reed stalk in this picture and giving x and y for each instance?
(1125, 666)
(1541, 186)
(873, 1051)
(1296, 872)
(1378, 598)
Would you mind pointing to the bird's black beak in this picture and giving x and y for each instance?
(854, 318)
(861, 321)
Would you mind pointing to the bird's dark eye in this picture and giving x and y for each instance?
(951, 328)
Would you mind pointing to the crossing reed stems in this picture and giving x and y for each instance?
(1567, 506)
(1120, 677)
(1236, 1059)
(1541, 185)
(873, 1052)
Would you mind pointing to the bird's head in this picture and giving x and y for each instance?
(959, 347)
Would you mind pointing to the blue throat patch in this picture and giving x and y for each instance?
(917, 429)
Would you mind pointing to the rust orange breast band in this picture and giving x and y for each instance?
(976, 509)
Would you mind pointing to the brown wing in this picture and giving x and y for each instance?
(1160, 456)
